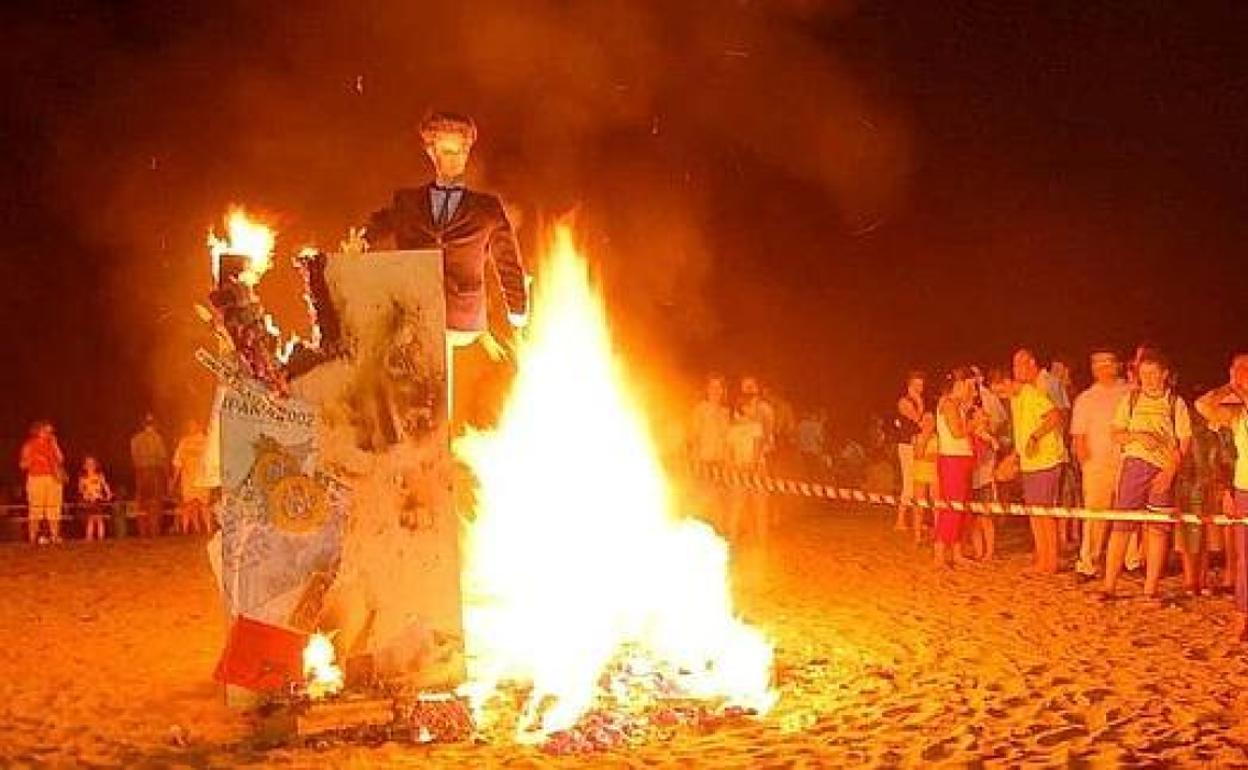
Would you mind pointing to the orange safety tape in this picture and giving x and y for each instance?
(771, 485)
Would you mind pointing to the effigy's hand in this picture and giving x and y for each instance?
(493, 349)
(355, 242)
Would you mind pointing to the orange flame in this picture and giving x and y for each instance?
(245, 237)
(322, 675)
(575, 555)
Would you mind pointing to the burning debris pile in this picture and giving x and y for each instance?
(594, 616)
(239, 261)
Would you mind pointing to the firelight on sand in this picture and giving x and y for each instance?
(576, 559)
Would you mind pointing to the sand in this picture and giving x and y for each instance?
(882, 661)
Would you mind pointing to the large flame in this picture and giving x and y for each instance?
(244, 237)
(575, 557)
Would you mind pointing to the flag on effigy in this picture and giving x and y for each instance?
(281, 518)
(260, 656)
(281, 533)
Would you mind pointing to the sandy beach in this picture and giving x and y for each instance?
(881, 661)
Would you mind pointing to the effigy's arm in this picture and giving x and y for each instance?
(505, 253)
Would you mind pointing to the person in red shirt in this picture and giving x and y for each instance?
(44, 465)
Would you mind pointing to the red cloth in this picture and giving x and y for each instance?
(955, 486)
(260, 656)
(41, 456)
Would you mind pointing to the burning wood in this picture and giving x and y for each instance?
(279, 722)
(238, 262)
(441, 718)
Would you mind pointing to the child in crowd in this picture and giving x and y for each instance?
(925, 485)
(94, 492)
(983, 531)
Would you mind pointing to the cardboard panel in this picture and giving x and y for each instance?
(337, 509)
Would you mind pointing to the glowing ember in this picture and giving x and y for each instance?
(323, 676)
(581, 580)
(244, 237)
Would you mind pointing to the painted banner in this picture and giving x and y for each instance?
(336, 509)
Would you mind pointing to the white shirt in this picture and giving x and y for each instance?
(708, 432)
(745, 442)
(950, 445)
(1093, 419)
(444, 202)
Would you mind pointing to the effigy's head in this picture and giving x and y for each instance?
(448, 138)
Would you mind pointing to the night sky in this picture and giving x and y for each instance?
(827, 193)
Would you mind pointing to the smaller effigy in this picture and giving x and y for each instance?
(238, 312)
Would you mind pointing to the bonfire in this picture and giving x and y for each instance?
(584, 584)
(590, 599)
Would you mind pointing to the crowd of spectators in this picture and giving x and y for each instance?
(159, 480)
(1128, 442)
(752, 428)
(1023, 433)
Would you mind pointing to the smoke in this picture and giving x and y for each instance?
(657, 120)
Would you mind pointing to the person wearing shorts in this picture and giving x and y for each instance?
(906, 427)
(1041, 453)
(1091, 427)
(1154, 429)
(44, 465)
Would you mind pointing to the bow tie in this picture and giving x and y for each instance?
(448, 188)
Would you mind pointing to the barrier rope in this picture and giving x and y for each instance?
(757, 482)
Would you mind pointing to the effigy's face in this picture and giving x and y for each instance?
(449, 154)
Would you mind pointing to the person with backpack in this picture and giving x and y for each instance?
(1154, 429)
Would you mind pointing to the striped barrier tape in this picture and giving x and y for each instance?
(757, 482)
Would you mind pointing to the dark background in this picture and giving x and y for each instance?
(826, 193)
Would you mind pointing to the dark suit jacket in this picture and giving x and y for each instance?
(478, 233)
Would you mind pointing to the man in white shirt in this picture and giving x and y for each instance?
(1099, 457)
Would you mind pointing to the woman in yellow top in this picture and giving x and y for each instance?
(1041, 452)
